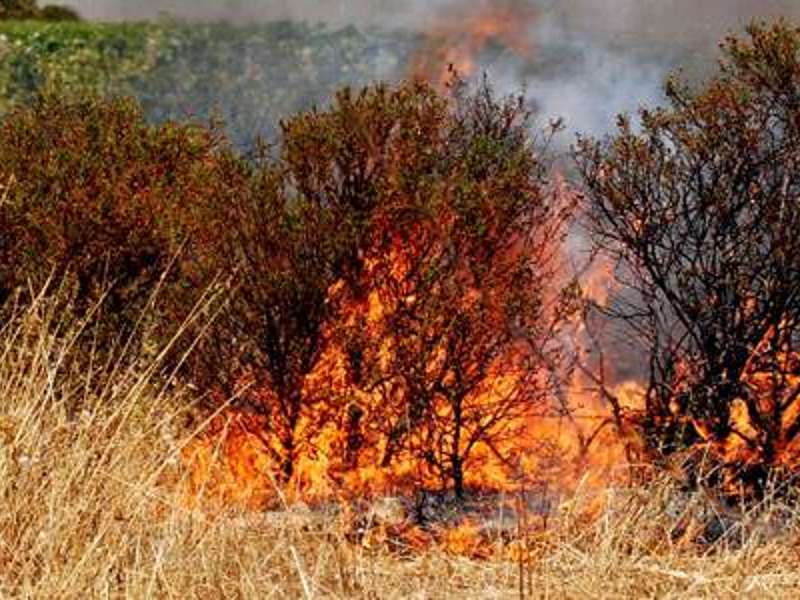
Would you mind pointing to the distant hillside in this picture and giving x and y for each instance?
(249, 76)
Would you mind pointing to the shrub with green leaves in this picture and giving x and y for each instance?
(73, 59)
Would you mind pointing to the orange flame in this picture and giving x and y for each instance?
(775, 387)
(456, 41)
(235, 465)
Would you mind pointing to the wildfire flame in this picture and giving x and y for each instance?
(456, 41)
(775, 387)
(234, 465)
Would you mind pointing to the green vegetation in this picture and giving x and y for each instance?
(249, 76)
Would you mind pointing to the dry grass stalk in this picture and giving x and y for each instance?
(91, 506)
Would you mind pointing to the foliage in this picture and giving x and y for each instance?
(299, 232)
(371, 150)
(73, 59)
(54, 12)
(28, 9)
(699, 211)
(18, 9)
(251, 76)
(95, 193)
(318, 237)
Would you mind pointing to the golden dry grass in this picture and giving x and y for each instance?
(91, 506)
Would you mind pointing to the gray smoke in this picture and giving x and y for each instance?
(585, 79)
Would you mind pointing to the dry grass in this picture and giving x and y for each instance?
(90, 506)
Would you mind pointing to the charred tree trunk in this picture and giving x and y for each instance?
(456, 460)
(457, 473)
(293, 404)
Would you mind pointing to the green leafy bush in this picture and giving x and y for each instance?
(72, 59)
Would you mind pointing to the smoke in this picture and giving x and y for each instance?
(334, 12)
(671, 20)
(584, 79)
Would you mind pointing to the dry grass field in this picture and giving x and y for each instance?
(92, 505)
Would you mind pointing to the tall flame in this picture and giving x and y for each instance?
(343, 459)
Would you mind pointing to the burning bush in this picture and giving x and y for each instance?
(388, 270)
(698, 209)
(390, 274)
(462, 353)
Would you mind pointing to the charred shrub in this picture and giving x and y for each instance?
(293, 248)
(698, 208)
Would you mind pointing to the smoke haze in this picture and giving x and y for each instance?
(657, 17)
(594, 58)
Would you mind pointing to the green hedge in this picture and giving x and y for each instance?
(249, 76)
